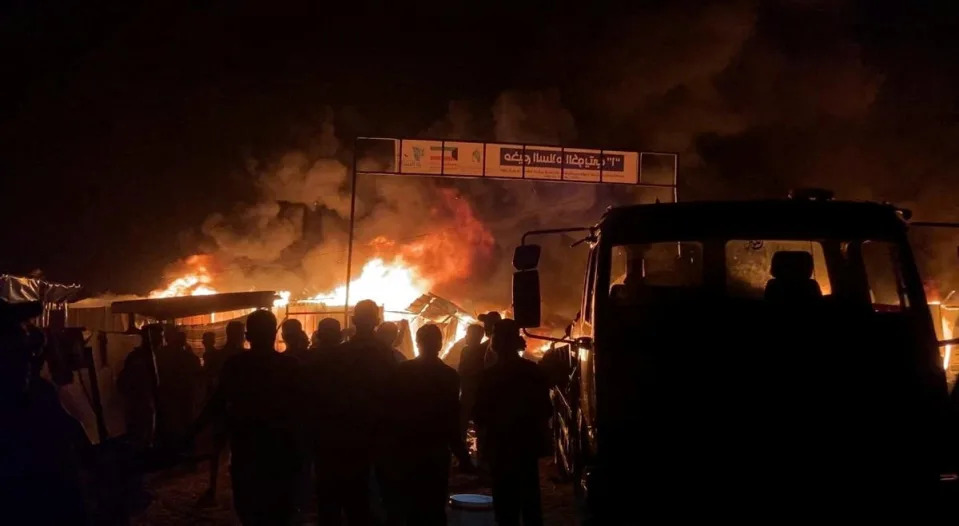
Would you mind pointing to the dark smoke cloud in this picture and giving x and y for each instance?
(756, 97)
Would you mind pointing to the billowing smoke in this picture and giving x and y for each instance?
(756, 99)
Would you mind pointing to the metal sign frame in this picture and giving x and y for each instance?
(397, 170)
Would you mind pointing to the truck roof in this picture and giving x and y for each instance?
(761, 219)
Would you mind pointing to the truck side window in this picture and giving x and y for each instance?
(880, 260)
(588, 293)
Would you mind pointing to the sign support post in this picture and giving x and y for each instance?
(553, 164)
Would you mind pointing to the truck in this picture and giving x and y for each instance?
(741, 357)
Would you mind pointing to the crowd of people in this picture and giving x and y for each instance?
(373, 433)
(379, 430)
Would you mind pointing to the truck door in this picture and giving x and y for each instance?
(584, 349)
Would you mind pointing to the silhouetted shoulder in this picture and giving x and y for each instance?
(235, 360)
(449, 372)
(530, 367)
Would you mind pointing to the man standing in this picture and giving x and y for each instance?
(209, 345)
(425, 414)
(513, 407)
(213, 361)
(349, 385)
(257, 396)
(295, 339)
(327, 336)
(489, 320)
(178, 373)
(137, 383)
(471, 366)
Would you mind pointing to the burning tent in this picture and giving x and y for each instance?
(451, 318)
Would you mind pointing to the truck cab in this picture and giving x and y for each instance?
(738, 355)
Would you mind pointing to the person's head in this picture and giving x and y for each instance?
(179, 338)
(261, 329)
(489, 321)
(209, 340)
(329, 332)
(474, 334)
(292, 333)
(169, 334)
(429, 340)
(366, 315)
(151, 336)
(387, 333)
(506, 339)
(235, 333)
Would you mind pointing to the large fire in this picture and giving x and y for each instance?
(395, 274)
(395, 285)
(194, 281)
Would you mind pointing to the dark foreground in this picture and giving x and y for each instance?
(176, 493)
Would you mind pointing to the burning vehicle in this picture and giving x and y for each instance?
(735, 353)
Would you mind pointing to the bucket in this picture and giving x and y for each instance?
(470, 509)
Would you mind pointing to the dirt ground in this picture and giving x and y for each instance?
(175, 495)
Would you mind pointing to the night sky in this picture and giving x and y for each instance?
(125, 126)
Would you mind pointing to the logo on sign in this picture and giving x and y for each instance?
(448, 153)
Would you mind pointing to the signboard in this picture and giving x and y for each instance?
(517, 161)
(441, 157)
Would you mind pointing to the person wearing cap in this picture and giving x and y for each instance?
(513, 408)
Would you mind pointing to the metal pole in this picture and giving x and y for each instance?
(349, 248)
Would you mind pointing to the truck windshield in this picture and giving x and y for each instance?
(758, 268)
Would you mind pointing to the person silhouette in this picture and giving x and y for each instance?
(257, 396)
(213, 360)
(328, 335)
(349, 388)
(297, 343)
(425, 424)
(489, 321)
(137, 383)
(513, 408)
(178, 372)
(387, 332)
(41, 443)
(470, 368)
(209, 345)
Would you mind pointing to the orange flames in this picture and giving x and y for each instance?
(398, 272)
(403, 272)
(195, 280)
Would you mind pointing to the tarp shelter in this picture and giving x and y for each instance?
(187, 306)
(15, 289)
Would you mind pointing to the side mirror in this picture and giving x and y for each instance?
(526, 299)
(526, 257)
